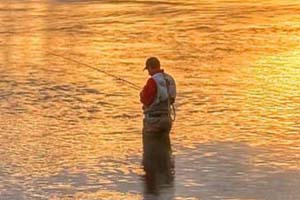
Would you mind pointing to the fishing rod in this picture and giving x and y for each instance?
(130, 84)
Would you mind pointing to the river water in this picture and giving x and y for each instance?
(70, 132)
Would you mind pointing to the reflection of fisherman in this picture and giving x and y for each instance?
(158, 95)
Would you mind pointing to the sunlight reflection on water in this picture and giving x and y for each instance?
(70, 132)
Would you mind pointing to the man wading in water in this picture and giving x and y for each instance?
(157, 96)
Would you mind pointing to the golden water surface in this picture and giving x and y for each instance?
(70, 132)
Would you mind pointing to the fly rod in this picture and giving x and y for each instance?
(132, 85)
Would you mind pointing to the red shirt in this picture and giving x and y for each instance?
(148, 94)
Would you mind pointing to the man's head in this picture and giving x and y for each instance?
(152, 65)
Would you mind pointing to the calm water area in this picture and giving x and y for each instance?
(70, 132)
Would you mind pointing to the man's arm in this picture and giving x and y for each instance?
(148, 94)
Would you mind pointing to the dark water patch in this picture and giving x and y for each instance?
(118, 133)
(62, 88)
(7, 33)
(13, 9)
(80, 29)
(201, 28)
(125, 116)
(6, 80)
(5, 95)
(15, 192)
(93, 109)
(104, 103)
(225, 49)
(170, 3)
(222, 110)
(68, 182)
(15, 109)
(71, 88)
(216, 171)
(227, 170)
(89, 91)
(116, 94)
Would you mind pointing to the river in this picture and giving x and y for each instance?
(70, 132)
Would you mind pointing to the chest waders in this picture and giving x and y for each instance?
(158, 117)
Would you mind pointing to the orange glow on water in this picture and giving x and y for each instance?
(66, 128)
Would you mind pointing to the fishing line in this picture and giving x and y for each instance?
(130, 84)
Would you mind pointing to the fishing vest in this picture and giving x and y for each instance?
(165, 95)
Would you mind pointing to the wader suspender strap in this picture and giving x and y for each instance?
(174, 112)
(172, 105)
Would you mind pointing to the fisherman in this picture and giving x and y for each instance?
(157, 97)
